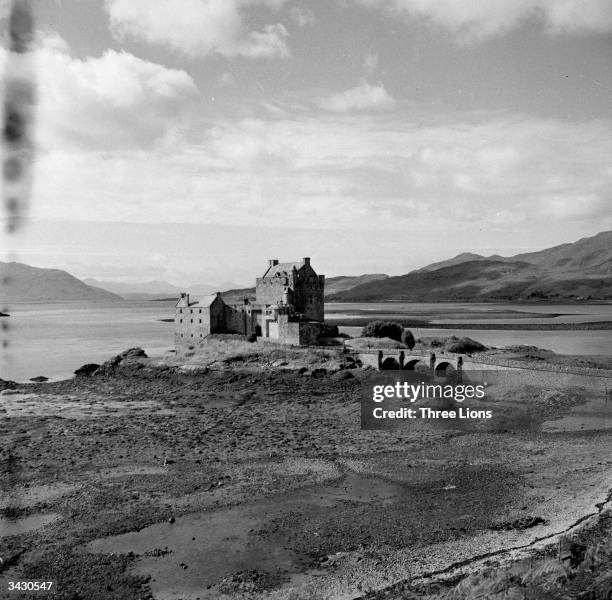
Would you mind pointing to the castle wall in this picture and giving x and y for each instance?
(270, 290)
(288, 331)
(308, 294)
(239, 319)
(298, 333)
(191, 324)
(309, 333)
(217, 316)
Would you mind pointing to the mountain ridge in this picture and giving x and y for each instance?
(581, 270)
(25, 283)
(555, 256)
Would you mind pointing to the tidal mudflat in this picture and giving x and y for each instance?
(250, 477)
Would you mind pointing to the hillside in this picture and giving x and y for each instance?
(31, 284)
(591, 255)
(460, 258)
(342, 283)
(578, 271)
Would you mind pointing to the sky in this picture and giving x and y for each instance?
(191, 140)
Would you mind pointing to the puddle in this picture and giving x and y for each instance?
(22, 496)
(206, 547)
(24, 525)
(594, 415)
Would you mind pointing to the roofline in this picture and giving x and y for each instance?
(304, 262)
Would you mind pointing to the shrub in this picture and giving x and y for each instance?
(463, 345)
(408, 339)
(380, 329)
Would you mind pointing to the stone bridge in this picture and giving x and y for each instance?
(441, 363)
(395, 360)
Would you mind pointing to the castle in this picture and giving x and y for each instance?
(288, 309)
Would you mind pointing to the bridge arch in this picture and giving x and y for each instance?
(444, 368)
(390, 364)
(412, 363)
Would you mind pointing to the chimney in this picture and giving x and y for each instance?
(306, 260)
(273, 262)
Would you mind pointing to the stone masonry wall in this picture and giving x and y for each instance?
(270, 291)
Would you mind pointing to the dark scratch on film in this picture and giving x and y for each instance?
(18, 105)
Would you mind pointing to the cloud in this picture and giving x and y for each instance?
(476, 21)
(303, 16)
(227, 79)
(112, 101)
(346, 171)
(198, 28)
(362, 97)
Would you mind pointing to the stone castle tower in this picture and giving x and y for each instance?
(294, 285)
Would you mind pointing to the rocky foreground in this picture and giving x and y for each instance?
(246, 475)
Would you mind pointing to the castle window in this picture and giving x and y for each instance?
(200, 320)
(180, 310)
(192, 335)
(192, 320)
(191, 311)
(181, 335)
(181, 320)
(200, 311)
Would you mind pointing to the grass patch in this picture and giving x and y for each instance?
(231, 350)
(364, 343)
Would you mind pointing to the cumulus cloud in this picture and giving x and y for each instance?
(475, 21)
(115, 100)
(199, 28)
(362, 97)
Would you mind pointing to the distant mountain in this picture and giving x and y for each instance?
(152, 290)
(592, 255)
(333, 285)
(144, 290)
(460, 258)
(578, 271)
(31, 284)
